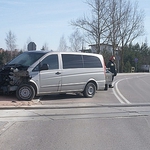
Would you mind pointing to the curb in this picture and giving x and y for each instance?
(71, 106)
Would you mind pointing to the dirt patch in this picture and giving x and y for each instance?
(11, 100)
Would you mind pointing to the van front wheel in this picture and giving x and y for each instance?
(89, 90)
(25, 92)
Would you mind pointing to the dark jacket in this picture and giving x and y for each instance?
(112, 67)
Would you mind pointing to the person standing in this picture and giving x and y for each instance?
(112, 68)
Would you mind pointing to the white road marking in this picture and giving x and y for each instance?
(118, 94)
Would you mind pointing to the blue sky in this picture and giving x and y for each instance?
(46, 21)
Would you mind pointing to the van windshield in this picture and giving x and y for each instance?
(26, 59)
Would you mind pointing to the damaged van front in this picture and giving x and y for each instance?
(15, 73)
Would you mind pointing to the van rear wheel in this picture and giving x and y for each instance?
(89, 90)
(25, 92)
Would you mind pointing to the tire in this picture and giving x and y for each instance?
(25, 92)
(89, 90)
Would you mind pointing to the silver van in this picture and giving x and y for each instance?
(35, 73)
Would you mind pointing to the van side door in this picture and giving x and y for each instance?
(50, 75)
(73, 78)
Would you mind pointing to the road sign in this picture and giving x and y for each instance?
(31, 46)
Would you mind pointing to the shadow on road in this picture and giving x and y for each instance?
(11, 97)
(61, 96)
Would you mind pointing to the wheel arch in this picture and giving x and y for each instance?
(34, 86)
(92, 81)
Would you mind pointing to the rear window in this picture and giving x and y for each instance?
(91, 62)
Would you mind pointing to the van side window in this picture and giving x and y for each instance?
(52, 61)
(91, 62)
(72, 61)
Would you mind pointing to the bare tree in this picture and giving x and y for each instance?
(62, 44)
(115, 18)
(127, 25)
(10, 41)
(76, 41)
(25, 47)
(96, 25)
(116, 22)
(29, 40)
(130, 26)
(45, 47)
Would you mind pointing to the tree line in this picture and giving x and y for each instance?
(135, 55)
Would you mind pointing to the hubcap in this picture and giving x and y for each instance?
(90, 90)
(25, 92)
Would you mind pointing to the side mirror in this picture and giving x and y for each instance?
(44, 67)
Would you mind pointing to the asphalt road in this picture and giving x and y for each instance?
(133, 88)
(129, 88)
(117, 119)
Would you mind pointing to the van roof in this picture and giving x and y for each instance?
(57, 52)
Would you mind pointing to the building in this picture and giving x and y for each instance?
(93, 48)
(103, 47)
